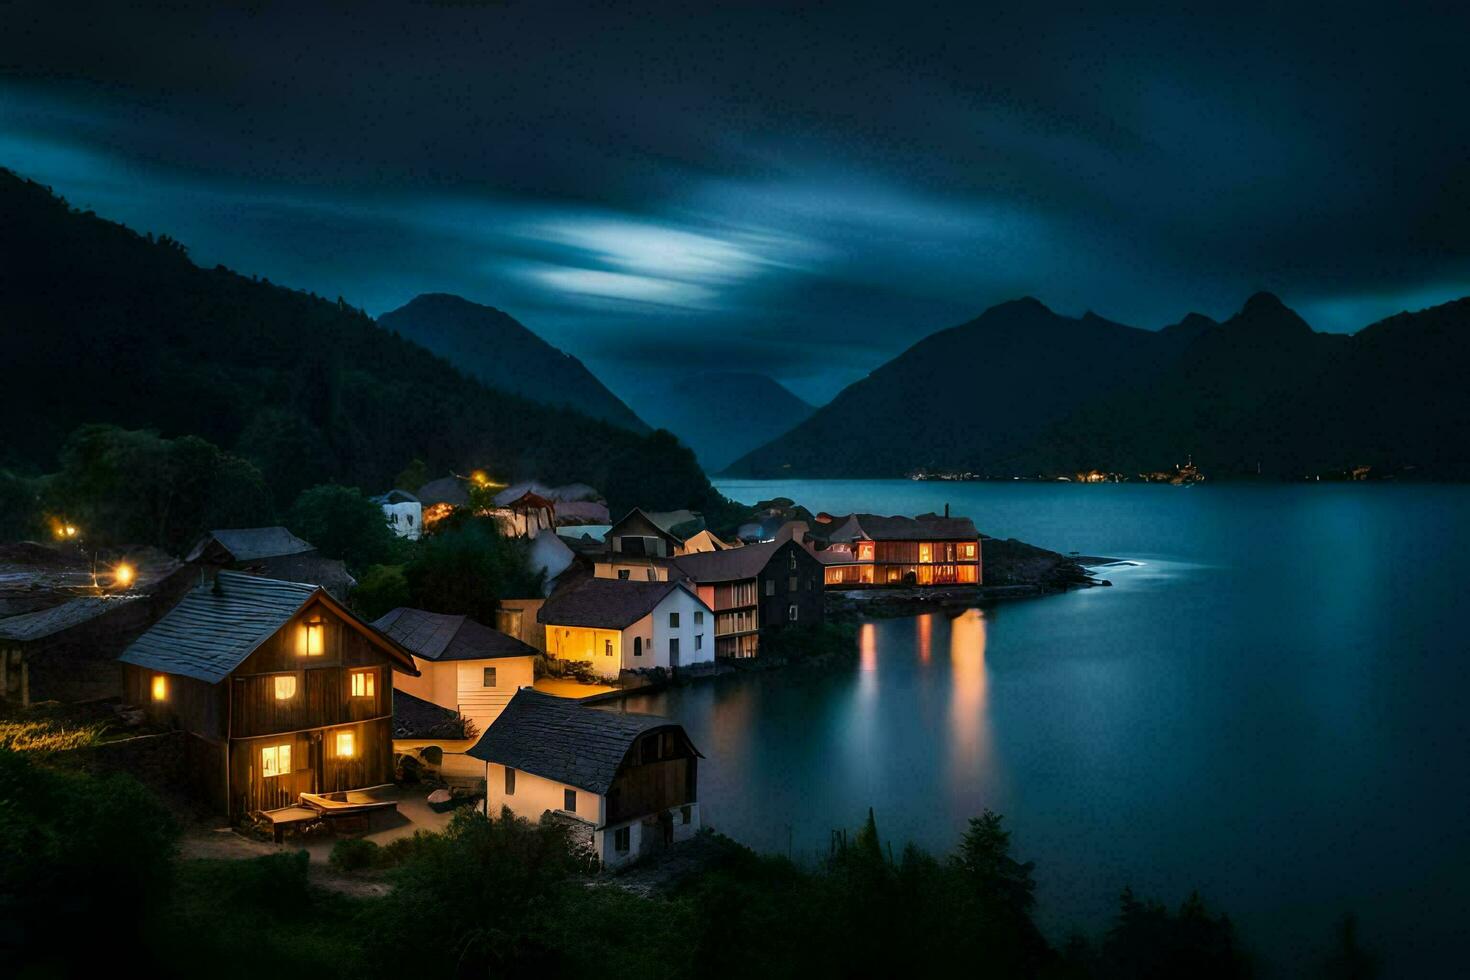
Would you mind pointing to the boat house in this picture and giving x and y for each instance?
(626, 783)
(869, 549)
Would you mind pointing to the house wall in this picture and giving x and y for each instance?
(534, 795)
(791, 578)
(637, 535)
(481, 704)
(517, 618)
(636, 569)
(586, 643)
(696, 638)
(405, 519)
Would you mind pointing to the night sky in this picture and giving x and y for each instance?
(801, 192)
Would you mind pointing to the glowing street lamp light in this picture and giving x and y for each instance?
(123, 575)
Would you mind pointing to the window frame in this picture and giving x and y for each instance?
(569, 800)
(279, 754)
(369, 685)
(489, 677)
(510, 781)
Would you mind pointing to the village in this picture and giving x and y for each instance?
(243, 677)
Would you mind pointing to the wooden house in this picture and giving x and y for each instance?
(869, 549)
(284, 689)
(63, 622)
(619, 626)
(628, 784)
(271, 552)
(756, 589)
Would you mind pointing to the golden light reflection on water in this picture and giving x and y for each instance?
(868, 647)
(924, 625)
(969, 725)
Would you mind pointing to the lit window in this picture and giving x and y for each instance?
(969, 551)
(569, 800)
(285, 687)
(346, 745)
(488, 680)
(160, 687)
(313, 638)
(275, 760)
(364, 683)
(926, 552)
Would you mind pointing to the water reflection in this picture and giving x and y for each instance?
(968, 719)
(924, 625)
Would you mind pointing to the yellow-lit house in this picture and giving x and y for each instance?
(627, 784)
(624, 625)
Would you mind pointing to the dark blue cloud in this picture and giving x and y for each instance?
(804, 191)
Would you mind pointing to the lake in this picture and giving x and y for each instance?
(1269, 708)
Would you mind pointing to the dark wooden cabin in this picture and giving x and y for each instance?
(284, 689)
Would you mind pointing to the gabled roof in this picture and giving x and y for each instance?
(639, 512)
(44, 622)
(876, 527)
(416, 718)
(727, 566)
(559, 739)
(211, 631)
(445, 490)
(395, 496)
(250, 543)
(439, 636)
(605, 603)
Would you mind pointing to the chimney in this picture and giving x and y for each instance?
(946, 508)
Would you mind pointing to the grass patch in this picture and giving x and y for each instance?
(46, 729)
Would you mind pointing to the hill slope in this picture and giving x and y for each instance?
(503, 353)
(105, 325)
(1261, 393)
(722, 415)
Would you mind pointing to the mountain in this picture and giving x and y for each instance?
(105, 325)
(1023, 391)
(722, 415)
(501, 352)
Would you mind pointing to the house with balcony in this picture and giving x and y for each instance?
(626, 784)
(859, 550)
(756, 589)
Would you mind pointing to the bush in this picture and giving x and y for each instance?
(577, 670)
(354, 854)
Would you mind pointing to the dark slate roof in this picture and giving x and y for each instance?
(211, 631)
(416, 718)
(250, 543)
(727, 566)
(42, 623)
(445, 490)
(312, 569)
(604, 603)
(559, 739)
(437, 636)
(640, 512)
(395, 497)
(876, 527)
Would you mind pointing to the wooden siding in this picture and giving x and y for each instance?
(192, 705)
(642, 788)
(316, 766)
(323, 696)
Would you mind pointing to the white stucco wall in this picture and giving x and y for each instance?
(535, 795)
(696, 639)
(406, 518)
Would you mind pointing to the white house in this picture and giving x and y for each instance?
(625, 783)
(403, 512)
(467, 670)
(627, 625)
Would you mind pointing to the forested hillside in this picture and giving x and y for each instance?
(103, 324)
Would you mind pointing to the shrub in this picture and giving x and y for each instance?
(354, 854)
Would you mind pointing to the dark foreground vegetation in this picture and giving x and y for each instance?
(89, 865)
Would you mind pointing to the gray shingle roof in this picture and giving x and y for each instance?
(251, 543)
(211, 631)
(557, 738)
(876, 527)
(445, 490)
(604, 603)
(438, 636)
(45, 622)
(727, 566)
(414, 717)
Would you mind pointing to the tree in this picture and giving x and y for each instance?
(126, 487)
(381, 589)
(344, 524)
(19, 507)
(466, 567)
(412, 476)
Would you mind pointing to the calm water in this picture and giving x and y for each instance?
(1271, 708)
